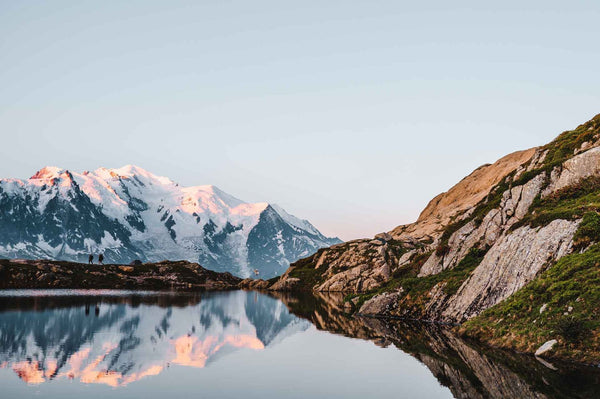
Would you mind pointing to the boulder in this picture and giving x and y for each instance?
(546, 347)
(381, 304)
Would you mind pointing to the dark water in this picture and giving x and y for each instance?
(98, 344)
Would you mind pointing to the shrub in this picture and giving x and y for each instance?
(572, 329)
(442, 250)
(588, 231)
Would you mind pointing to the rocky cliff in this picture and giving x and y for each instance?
(480, 243)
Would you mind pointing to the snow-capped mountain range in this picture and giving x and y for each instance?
(130, 213)
(119, 341)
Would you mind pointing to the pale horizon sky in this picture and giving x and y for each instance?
(351, 114)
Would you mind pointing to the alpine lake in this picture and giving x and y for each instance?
(238, 344)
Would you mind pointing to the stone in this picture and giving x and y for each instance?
(286, 284)
(47, 278)
(546, 347)
(384, 236)
(347, 307)
(574, 169)
(381, 304)
(126, 269)
(543, 308)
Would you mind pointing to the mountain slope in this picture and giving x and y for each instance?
(501, 229)
(129, 213)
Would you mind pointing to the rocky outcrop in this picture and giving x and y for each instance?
(513, 261)
(573, 170)
(384, 304)
(182, 275)
(461, 198)
(513, 207)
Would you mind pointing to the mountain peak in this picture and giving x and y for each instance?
(48, 172)
(131, 171)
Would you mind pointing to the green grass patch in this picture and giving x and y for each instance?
(305, 270)
(571, 286)
(417, 288)
(569, 203)
(563, 147)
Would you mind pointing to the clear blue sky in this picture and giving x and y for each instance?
(352, 114)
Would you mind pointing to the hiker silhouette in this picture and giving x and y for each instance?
(91, 259)
(101, 259)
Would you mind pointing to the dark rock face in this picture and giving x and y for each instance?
(273, 244)
(180, 275)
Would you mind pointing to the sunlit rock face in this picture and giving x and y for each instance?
(116, 341)
(130, 213)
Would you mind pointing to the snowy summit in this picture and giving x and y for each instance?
(129, 213)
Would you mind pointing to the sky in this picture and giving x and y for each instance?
(351, 114)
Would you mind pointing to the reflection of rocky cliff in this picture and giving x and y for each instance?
(118, 340)
(468, 370)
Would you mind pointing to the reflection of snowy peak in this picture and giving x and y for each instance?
(129, 213)
(125, 343)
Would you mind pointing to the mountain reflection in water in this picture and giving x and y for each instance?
(117, 338)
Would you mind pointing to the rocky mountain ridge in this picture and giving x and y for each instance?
(130, 213)
(477, 245)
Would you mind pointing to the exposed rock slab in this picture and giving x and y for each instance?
(511, 263)
(574, 169)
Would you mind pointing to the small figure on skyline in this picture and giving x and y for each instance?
(101, 259)
(256, 272)
(91, 259)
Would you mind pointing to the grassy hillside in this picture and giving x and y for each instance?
(563, 303)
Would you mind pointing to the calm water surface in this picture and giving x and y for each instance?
(98, 344)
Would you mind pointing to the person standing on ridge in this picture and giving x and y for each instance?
(101, 259)
(91, 259)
